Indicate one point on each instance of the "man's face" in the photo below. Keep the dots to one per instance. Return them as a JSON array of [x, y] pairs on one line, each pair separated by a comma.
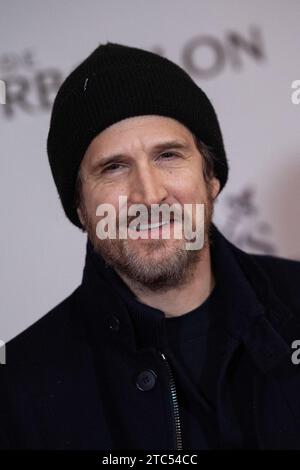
[[150, 160]]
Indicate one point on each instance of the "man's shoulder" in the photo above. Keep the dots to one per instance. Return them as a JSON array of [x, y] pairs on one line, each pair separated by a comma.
[[279, 268], [54, 330], [284, 276]]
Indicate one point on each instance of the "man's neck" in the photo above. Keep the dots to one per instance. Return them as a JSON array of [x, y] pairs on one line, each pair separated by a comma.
[[183, 299]]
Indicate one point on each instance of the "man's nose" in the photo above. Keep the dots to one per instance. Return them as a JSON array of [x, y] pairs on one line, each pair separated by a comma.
[[147, 187]]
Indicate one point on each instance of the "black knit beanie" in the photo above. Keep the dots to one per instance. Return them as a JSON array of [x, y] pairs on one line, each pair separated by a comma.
[[115, 82]]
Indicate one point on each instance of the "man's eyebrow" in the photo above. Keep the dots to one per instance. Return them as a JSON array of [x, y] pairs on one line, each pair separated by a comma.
[[174, 144], [160, 147]]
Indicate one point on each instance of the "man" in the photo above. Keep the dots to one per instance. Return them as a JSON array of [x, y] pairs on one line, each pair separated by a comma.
[[161, 347]]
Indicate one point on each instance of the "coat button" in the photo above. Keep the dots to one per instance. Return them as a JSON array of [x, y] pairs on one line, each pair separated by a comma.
[[146, 380], [113, 323]]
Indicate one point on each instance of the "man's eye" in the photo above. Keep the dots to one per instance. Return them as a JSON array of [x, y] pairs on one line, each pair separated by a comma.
[[112, 167], [168, 155]]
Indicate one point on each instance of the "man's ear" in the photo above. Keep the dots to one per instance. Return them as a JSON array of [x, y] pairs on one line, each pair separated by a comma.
[[80, 216], [215, 187]]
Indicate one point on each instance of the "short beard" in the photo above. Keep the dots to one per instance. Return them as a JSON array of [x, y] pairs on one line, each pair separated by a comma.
[[146, 272]]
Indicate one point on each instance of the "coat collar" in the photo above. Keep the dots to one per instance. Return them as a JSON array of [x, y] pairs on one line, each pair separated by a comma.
[[266, 328], [268, 339]]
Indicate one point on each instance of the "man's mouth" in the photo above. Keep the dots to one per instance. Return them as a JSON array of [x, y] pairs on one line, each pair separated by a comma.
[[141, 227]]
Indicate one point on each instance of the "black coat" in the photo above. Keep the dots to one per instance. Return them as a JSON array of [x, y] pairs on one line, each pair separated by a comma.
[[76, 379]]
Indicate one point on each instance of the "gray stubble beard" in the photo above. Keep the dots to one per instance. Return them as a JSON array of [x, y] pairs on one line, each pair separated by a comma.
[[147, 273]]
